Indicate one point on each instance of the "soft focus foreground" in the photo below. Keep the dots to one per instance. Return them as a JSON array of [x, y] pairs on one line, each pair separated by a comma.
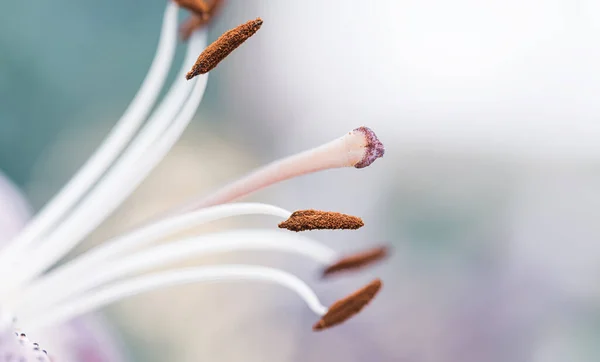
[[490, 192], [82, 339]]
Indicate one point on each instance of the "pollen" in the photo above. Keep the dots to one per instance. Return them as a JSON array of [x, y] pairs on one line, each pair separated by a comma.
[[223, 46], [357, 261], [304, 220], [346, 308]]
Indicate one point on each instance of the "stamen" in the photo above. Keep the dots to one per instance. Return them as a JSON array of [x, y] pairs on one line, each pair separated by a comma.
[[357, 261], [118, 291], [121, 181], [104, 156], [348, 307], [223, 46], [304, 220], [196, 21], [224, 242], [89, 262], [354, 148]]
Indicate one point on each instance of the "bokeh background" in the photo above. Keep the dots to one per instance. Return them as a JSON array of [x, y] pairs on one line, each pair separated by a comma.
[[489, 190]]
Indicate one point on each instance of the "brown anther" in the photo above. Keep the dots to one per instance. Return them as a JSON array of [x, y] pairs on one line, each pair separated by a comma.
[[357, 261], [197, 20], [346, 308], [222, 47], [304, 220]]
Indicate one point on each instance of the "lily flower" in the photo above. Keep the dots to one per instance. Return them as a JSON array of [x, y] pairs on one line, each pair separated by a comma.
[[36, 294]]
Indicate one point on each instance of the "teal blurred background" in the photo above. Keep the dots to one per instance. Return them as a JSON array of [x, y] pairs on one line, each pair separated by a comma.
[[69, 66], [489, 190]]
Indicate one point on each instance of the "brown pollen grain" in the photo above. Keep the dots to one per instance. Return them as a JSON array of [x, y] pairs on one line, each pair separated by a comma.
[[357, 261], [304, 220], [222, 47], [346, 308]]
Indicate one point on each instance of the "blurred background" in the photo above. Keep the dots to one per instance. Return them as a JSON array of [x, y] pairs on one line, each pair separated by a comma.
[[489, 191]]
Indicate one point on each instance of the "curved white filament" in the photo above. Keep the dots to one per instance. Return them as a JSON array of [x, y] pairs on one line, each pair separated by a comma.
[[112, 146], [268, 240], [113, 293], [345, 151], [108, 195], [115, 247], [118, 246]]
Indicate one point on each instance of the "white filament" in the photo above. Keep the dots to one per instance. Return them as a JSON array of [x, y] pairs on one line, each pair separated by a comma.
[[112, 146], [112, 293], [269, 240], [112, 249], [109, 194], [116, 247], [345, 151]]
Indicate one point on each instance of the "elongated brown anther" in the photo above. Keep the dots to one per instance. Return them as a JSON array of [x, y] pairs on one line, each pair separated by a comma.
[[357, 261], [346, 308], [197, 20], [222, 47], [304, 220]]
